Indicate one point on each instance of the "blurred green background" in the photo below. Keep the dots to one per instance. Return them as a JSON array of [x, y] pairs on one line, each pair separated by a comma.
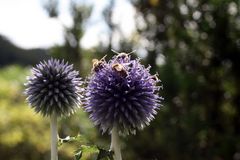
[[194, 46]]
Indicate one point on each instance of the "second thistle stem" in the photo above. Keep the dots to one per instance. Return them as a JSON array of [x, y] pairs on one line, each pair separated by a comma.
[[115, 144], [54, 138]]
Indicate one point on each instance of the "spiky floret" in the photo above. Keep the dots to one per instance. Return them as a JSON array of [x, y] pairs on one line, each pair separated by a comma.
[[54, 86], [122, 93]]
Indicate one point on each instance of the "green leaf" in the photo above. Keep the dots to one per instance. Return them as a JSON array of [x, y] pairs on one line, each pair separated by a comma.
[[105, 154], [89, 149], [84, 152], [68, 139], [78, 155]]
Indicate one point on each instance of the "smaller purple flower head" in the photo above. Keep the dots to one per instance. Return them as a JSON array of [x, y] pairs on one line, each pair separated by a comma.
[[54, 86], [122, 93]]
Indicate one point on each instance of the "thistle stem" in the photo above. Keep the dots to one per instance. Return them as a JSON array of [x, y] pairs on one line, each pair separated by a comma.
[[54, 138], [115, 144]]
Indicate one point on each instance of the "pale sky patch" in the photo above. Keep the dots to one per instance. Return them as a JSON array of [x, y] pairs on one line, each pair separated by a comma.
[[26, 23]]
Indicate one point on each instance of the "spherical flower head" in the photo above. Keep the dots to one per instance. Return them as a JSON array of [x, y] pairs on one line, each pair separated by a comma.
[[54, 87], [122, 93]]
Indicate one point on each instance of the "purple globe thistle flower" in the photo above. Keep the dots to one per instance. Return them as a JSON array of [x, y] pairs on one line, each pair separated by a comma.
[[122, 94], [54, 87]]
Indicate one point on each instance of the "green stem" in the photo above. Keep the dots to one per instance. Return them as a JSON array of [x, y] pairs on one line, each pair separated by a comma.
[[54, 138], [115, 144]]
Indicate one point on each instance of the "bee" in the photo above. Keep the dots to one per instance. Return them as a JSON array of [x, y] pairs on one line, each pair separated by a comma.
[[123, 55], [98, 64], [120, 69]]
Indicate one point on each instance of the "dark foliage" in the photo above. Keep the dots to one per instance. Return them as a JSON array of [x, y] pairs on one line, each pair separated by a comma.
[[11, 54], [199, 41]]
